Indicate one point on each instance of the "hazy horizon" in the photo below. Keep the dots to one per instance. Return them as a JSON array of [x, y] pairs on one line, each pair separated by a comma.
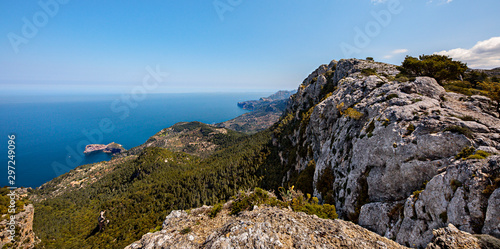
[[70, 47]]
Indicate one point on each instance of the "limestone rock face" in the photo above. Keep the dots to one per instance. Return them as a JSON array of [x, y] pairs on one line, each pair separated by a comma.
[[263, 227], [454, 196], [492, 219], [389, 150]]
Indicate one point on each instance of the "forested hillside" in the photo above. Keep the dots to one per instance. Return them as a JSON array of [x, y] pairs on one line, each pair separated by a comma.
[[388, 146]]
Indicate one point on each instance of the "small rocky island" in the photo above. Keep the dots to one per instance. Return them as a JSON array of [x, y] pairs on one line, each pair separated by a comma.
[[112, 148]]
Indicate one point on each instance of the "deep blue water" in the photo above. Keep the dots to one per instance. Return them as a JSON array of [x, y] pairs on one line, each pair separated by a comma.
[[51, 130]]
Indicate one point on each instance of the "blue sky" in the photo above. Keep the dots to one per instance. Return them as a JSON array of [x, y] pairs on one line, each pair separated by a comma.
[[226, 45]]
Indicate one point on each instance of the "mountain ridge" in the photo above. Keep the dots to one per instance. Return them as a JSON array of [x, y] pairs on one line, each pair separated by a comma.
[[381, 150]]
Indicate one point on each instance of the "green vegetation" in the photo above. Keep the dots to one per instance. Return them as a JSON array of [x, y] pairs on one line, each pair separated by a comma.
[[324, 185], [156, 229], [186, 230], [416, 193], [440, 67], [369, 58], [461, 130], [452, 75], [353, 113], [350, 112], [329, 87], [368, 71], [291, 198], [191, 138], [305, 179], [493, 92], [467, 118], [370, 127], [5, 202], [466, 152], [247, 200], [443, 216], [391, 96], [494, 180], [139, 193], [455, 184], [471, 153], [410, 129], [463, 87], [215, 210]]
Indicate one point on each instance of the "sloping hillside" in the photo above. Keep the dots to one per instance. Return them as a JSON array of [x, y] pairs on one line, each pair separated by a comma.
[[401, 157]]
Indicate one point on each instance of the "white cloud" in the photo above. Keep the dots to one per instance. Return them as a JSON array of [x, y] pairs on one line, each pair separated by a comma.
[[441, 1], [485, 54], [395, 52], [378, 1]]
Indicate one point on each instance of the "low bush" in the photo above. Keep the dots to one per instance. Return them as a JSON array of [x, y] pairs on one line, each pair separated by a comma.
[[215, 210], [186, 230], [410, 129], [443, 216], [353, 113], [461, 130], [455, 184], [466, 152], [368, 71], [391, 96], [291, 198], [471, 153], [370, 127]]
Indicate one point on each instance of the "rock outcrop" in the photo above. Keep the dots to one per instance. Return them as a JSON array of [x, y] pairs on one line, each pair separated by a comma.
[[111, 148], [451, 237], [25, 237], [263, 227], [387, 150]]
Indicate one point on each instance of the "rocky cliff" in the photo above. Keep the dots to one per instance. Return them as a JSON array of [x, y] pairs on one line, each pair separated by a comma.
[[400, 157]]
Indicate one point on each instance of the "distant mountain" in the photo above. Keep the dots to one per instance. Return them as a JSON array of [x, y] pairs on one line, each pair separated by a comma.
[[265, 112], [276, 101], [495, 72]]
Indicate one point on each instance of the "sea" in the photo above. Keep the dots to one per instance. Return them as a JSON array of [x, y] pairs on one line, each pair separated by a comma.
[[51, 132]]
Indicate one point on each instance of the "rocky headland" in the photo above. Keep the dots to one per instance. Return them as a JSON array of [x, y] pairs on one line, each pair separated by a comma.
[[111, 148], [264, 112]]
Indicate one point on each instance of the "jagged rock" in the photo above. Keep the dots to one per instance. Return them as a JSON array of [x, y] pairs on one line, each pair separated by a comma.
[[406, 134], [492, 220], [451, 237], [263, 227]]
